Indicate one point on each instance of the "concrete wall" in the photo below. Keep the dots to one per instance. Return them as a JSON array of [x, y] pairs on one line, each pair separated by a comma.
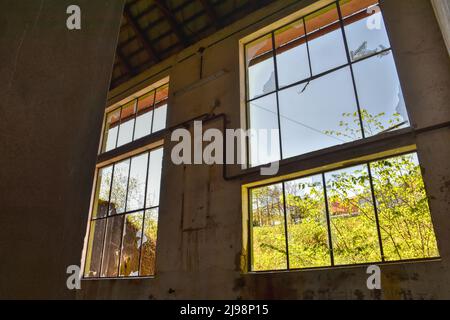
[[52, 97], [442, 9], [200, 230]]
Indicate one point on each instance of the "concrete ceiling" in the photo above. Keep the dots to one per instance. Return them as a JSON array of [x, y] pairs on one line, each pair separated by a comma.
[[153, 30]]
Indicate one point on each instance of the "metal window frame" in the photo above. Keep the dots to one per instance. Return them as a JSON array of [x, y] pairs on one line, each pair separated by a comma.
[[322, 174], [349, 64]]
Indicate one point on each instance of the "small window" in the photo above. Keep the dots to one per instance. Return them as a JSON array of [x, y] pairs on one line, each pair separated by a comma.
[[326, 79], [137, 119], [369, 213], [124, 222]]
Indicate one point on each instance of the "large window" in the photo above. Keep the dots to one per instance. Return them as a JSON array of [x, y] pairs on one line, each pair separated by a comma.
[[370, 213], [123, 226], [124, 221], [136, 119], [326, 79]]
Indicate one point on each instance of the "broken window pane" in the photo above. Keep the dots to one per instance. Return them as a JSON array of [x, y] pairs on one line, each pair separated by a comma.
[[380, 95], [119, 188], [307, 223], [312, 120], [326, 43], [101, 201], [260, 67], [94, 249], [292, 54], [364, 28], [352, 216], [136, 183], [148, 264], [268, 229], [111, 251], [405, 220], [131, 245]]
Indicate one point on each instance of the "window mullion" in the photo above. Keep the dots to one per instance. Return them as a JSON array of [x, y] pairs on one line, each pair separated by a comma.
[[286, 233], [375, 207], [144, 215], [341, 22], [327, 212]]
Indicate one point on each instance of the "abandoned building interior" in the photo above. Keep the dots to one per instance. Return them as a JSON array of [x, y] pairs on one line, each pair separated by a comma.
[[355, 96]]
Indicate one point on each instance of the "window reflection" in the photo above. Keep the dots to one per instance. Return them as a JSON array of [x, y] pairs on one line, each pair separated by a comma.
[[111, 249], [131, 245], [148, 264], [268, 229], [136, 183], [102, 192], [119, 188], [95, 248]]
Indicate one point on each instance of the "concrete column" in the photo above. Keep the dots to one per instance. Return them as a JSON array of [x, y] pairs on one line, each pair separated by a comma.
[[52, 99], [442, 10]]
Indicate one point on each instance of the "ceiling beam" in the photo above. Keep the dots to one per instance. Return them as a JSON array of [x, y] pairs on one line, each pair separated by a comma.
[[140, 34], [172, 21], [124, 62], [212, 15]]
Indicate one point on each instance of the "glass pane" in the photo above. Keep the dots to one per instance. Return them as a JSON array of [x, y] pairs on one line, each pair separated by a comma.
[[148, 261], [136, 183], [260, 67], [307, 223], [119, 188], [94, 250], [143, 124], [380, 95], [159, 122], [111, 128], [146, 101], [264, 143], [319, 115], [102, 193], [154, 178], [292, 54], [326, 43], [365, 29], [131, 245], [126, 124], [405, 220], [111, 251], [268, 229], [352, 217], [162, 94]]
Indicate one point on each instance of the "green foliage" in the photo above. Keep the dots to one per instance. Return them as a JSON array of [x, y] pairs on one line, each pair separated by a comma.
[[404, 220]]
